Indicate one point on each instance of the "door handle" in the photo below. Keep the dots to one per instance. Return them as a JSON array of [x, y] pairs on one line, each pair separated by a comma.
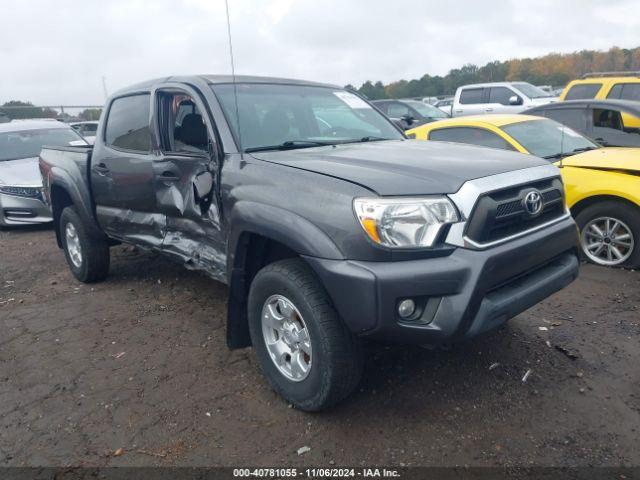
[[489, 110], [101, 169], [169, 177]]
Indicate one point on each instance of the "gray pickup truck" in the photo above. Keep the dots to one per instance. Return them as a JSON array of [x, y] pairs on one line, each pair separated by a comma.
[[328, 225]]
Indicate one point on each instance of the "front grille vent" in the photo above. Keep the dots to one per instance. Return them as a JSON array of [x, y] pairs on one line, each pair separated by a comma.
[[501, 214]]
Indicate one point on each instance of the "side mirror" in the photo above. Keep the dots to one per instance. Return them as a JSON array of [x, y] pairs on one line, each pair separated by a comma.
[[203, 184], [515, 100], [408, 118]]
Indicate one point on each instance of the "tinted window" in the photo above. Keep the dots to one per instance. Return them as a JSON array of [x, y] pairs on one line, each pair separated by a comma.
[[571, 117], [382, 106], [631, 91], [28, 143], [128, 123], [471, 95], [582, 91], [615, 91], [500, 95], [605, 118], [472, 136], [397, 110]]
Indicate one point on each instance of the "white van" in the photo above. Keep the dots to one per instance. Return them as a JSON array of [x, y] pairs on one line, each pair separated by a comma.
[[498, 97]]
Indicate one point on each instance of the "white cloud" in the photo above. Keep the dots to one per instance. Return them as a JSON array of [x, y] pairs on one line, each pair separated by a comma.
[[57, 52]]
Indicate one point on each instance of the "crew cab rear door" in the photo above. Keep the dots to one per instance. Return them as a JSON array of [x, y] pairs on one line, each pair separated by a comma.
[[186, 178], [122, 175]]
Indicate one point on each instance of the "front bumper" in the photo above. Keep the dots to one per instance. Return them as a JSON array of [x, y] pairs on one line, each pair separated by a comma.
[[16, 210], [459, 296]]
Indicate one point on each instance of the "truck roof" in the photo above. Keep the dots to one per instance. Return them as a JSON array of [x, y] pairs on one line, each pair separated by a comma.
[[489, 84], [217, 79]]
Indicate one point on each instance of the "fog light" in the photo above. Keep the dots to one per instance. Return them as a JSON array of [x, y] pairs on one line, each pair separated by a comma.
[[406, 308]]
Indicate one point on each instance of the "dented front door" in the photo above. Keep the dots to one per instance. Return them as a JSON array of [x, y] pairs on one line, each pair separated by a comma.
[[186, 192]]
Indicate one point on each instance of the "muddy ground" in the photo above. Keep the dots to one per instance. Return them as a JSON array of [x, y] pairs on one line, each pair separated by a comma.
[[139, 363]]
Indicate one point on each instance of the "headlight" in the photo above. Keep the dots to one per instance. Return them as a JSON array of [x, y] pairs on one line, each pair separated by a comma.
[[404, 222], [29, 192]]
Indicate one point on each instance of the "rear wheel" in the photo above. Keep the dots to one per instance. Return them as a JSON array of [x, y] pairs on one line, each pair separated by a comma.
[[305, 351], [610, 234], [88, 257]]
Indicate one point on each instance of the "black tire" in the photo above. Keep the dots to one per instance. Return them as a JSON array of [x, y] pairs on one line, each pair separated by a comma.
[[94, 264], [621, 211], [337, 356]]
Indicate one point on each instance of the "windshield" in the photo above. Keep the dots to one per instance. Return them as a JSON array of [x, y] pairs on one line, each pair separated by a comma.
[[531, 91], [298, 116], [28, 143], [546, 138], [427, 111]]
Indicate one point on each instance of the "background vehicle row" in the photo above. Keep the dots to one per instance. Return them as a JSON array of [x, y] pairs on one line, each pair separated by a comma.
[[602, 184]]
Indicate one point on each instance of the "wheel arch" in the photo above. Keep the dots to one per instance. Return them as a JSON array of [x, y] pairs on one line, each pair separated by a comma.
[[585, 203], [60, 199], [261, 235]]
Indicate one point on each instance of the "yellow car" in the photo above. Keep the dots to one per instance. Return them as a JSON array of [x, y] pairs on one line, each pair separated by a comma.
[[602, 184], [607, 86]]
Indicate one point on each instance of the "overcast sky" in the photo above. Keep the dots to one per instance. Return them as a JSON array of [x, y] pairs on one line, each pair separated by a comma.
[[57, 51]]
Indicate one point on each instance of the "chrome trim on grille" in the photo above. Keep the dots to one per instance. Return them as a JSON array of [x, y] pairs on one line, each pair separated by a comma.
[[469, 194]]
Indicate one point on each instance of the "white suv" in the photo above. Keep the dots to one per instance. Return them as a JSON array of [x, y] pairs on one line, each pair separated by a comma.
[[498, 97]]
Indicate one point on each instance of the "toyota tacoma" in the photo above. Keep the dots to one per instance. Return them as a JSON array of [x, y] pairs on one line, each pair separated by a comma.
[[329, 225]]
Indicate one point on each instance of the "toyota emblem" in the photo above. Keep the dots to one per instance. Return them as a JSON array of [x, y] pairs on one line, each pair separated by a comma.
[[532, 203]]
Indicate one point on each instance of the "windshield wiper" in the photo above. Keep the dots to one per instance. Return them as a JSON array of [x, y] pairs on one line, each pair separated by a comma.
[[368, 138], [289, 145], [582, 149], [568, 154]]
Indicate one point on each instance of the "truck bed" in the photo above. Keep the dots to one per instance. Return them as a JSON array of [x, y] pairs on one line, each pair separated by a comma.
[[69, 169]]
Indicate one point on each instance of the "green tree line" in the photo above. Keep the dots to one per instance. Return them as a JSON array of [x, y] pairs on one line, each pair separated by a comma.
[[554, 69], [16, 109]]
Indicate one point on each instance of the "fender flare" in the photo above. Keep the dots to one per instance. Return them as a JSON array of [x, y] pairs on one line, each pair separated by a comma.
[[274, 223], [80, 196]]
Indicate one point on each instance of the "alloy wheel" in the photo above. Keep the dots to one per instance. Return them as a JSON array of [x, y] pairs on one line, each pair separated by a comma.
[[287, 338], [607, 241], [73, 245]]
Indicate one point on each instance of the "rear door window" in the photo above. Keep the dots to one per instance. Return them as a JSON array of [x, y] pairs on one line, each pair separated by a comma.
[[128, 123], [472, 95], [629, 91], [583, 91], [471, 136]]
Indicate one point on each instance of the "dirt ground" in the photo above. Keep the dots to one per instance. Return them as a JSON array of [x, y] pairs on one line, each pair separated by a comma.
[[139, 363]]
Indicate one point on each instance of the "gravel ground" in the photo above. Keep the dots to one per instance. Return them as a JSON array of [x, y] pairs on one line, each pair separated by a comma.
[[135, 371]]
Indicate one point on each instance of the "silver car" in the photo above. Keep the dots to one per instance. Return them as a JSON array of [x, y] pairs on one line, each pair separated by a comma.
[[88, 130], [21, 198]]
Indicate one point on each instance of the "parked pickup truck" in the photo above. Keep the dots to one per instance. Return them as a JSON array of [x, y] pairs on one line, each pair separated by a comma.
[[329, 226]]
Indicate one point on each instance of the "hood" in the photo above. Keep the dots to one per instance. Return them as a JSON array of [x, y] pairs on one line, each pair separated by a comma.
[[409, 167], [543, 100], [606, 158], [23, 172]]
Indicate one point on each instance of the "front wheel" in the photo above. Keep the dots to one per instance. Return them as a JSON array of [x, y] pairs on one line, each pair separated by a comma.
[[88, 257], [610, 234], [305, 350]]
